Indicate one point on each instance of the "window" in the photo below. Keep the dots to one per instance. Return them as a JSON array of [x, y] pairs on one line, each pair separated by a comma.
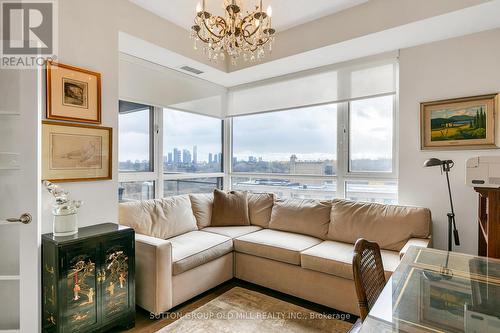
[[292, 187], [135, 144], [298, 153], [381, 191], [188, 158], [370, 134], [301, 141], [191, 185], [191, 143], [133, 191]]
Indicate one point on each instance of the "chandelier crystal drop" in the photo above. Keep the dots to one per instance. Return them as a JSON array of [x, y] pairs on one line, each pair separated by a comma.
[[247, 35]]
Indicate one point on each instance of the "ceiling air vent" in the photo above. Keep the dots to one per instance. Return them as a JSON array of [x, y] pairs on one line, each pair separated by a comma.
[[191, 70]]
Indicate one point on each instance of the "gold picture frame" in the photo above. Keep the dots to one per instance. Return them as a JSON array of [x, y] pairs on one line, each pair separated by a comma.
[[72, 93], [460, 123], [76, 152]]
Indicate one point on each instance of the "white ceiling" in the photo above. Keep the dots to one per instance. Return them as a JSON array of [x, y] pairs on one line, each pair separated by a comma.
[[458, 23], [286, 13]]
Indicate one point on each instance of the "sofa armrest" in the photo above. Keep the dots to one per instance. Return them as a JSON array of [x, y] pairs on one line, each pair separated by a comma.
[[420, 242], [153, 273]]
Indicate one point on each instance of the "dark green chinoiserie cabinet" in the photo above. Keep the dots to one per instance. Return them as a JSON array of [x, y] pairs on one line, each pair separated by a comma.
[[88, 280]]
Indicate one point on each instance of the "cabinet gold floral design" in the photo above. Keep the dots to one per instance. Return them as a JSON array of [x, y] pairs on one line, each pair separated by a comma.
[[88, 280], [116, 280]]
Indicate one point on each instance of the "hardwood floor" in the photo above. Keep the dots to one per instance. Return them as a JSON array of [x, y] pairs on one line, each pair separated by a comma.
[[145, 324]]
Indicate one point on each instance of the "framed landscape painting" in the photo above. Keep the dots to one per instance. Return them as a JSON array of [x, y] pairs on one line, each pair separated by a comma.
[[74, 152], [73, 93], [462, 123]]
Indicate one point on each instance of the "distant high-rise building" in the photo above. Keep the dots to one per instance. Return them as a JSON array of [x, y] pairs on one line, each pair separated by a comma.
[[195, 154], [169, 158], [177, 156], [252, 159], [210, 158], [235, 160], [186, 156], [220, 157], [215, 158]]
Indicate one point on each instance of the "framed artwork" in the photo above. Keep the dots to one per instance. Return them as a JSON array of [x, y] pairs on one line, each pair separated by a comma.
[[73, 93], [75, 152], [462, 123]]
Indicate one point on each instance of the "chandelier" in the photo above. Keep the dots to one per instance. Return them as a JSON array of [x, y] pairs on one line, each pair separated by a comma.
[[237, 34]]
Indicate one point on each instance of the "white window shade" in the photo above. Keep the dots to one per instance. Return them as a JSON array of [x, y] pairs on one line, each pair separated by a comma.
[[318, 86]]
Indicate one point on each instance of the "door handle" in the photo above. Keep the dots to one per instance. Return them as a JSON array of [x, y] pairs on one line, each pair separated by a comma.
[[25, 219]]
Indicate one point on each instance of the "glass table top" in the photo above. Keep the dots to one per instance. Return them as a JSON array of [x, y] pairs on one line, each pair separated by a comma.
[[439, 291]]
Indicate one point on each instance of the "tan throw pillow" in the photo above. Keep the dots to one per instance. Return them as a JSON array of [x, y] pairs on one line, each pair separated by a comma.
[[260, 206], [160, 218], [388, 225], [202, 208], [308, 217], [230, 208]]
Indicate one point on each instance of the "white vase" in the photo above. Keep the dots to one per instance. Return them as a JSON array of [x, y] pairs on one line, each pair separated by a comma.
[[65, 225]]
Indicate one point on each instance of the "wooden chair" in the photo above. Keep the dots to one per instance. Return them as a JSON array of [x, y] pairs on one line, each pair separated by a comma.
[[369, 277]]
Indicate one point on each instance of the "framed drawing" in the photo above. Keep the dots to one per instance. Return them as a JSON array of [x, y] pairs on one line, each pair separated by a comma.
[[74, 152], [462, 123], [73, 93]]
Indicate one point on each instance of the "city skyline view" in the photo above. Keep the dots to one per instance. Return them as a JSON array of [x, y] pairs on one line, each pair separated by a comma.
[[271, 139]]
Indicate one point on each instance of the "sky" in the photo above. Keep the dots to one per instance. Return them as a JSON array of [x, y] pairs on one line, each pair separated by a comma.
[[445, 113], [310, 133]]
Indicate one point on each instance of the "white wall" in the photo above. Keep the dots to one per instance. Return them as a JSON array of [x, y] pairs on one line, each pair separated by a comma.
[[459, 67], [88, 38]]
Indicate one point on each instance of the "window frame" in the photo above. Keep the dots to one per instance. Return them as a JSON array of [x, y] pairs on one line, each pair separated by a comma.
[[343, 175], [152, 155], [158, 176]]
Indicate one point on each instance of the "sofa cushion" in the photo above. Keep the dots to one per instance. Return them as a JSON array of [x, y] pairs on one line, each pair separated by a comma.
[[196, 248], [260, 206], [230, 208], [308, 217], [202, 203], [335, 258], [160, 218], [233, 231], [388, 225], [277, 245]]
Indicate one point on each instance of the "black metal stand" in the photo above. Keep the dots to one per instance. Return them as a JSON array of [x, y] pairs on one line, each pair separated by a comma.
[[450, 230], [452, 226]]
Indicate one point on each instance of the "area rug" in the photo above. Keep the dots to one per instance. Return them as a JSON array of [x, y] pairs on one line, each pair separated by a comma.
[[246, 311]]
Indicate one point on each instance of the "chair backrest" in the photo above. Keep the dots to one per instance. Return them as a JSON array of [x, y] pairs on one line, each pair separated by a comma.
[[368, 273]]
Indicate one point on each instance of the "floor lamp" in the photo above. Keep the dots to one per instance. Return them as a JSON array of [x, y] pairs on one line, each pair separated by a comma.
[[452, 227]]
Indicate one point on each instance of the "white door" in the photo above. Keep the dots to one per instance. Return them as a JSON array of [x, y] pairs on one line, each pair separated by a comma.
[[19, 196]]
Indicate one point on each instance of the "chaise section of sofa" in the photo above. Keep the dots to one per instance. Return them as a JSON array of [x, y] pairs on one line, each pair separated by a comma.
[[300, 247]]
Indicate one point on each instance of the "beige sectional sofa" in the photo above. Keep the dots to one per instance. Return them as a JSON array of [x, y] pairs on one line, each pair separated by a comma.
[[299, 247]]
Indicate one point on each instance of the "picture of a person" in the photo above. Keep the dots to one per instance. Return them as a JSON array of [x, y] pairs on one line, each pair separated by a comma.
[[90, 295], [111, 288], [76, 291], [122, 280]]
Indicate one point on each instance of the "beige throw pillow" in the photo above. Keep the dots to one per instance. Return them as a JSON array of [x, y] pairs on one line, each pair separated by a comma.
[[260, 206], [160, 218], [230, 208], [308, 217], [202, 208], [388, 225]]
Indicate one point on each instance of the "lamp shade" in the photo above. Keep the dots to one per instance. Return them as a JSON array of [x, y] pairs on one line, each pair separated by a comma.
[[433, 162]]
